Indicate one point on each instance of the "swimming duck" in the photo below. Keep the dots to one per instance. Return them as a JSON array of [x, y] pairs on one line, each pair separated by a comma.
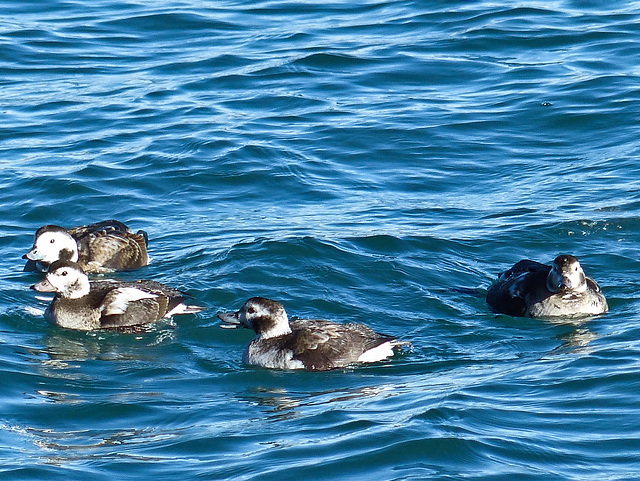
[[107, 304], [101, 247], [305, 344], [533, 289]]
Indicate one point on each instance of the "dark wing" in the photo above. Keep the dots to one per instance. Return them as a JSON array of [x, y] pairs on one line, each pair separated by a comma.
[[129, 305], [103, 286], [326, 345], [593, 285], [108, 226], [112, 251], [525, 266], [156, 288], [174, 297], [508, 294]]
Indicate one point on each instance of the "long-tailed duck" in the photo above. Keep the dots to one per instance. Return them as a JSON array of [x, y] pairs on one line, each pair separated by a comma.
[[305, 344], [533, 289], [101, 247], [107, 304]]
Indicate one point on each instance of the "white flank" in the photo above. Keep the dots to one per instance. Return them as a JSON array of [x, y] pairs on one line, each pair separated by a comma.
[[378, 353], [183, 309], [120, 298], [271, 358]]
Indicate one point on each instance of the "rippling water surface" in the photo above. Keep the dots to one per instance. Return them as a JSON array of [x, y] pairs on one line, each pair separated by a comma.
[[366, 161]]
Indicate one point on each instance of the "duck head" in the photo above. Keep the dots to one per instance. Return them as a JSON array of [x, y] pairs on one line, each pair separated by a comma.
[[266, 317], [53, 243], [66, 279], [566, 275]]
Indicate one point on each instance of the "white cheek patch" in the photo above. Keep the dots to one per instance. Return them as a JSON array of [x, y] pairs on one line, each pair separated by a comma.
[[49, 251], [118, 300], [60, 283], [56, 281], [378, 353]]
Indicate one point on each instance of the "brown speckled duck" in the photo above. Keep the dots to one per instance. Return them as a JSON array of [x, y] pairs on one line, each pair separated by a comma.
[[107, 304], [101, 247]]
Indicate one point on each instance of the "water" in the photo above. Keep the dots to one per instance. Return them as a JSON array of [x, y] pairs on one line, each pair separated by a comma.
[[366, 161]]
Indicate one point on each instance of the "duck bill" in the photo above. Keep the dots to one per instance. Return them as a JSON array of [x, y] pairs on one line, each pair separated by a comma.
[[558, 282], [565, 285], [33, 255], [230, 320], [43, 286]]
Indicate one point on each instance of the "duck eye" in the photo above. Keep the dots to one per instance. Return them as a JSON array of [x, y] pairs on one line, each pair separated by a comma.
[[52, 241], [251, 310], [63, 273]]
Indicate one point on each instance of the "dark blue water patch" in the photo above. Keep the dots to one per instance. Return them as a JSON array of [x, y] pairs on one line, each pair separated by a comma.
[[271, 106], [169, 22], [336, 62], [200, 72]]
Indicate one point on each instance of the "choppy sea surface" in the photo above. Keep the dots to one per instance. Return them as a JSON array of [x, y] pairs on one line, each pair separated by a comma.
[[370, 161]]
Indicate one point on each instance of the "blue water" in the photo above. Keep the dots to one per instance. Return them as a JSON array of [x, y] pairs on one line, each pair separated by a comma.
[[371, 161]]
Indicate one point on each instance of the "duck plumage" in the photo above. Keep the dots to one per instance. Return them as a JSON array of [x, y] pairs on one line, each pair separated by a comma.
[[532, 289], [107, 304], [304, 343], [101, 247]]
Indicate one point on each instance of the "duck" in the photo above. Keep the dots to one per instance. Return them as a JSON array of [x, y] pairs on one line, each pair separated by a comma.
[[105, 246], [107, 304], [533, 289], [304, 343]]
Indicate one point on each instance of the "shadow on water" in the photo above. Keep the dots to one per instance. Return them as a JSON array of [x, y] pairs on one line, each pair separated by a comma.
[[63, 347], [577, 338]]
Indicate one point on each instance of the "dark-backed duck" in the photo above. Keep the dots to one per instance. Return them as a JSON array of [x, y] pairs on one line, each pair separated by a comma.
[[101, 247], [533, 289], [305, 344]]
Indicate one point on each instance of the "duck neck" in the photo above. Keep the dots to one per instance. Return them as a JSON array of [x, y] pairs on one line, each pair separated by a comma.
[[269, 329]]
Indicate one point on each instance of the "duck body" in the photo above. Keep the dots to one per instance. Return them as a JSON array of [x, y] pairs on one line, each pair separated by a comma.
[[303, 343], [101, 247], [532, 289], [89, 305]]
